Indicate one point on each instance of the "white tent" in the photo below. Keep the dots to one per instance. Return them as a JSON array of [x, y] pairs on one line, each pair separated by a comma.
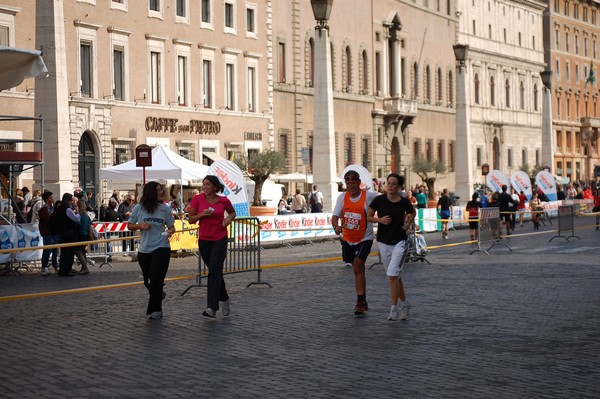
[[17, 64], [166, 164]]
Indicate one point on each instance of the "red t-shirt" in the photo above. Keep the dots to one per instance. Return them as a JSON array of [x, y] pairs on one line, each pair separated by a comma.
[[211, 227]]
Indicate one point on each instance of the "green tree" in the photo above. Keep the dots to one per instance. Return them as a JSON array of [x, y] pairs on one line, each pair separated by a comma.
[[428, 171], [259, 167]]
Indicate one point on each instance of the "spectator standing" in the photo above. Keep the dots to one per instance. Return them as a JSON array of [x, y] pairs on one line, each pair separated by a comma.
[[209, 209], [521, 207], [472, 210], [36, 205], [421, 198], [298, 202], [111, 215], [48, 236], [67, 222], [85, 233], [513, 208], [395, 215], [125, 208], [316, 200], [444, 206], [151, 216], [356, 233], [506, 204]]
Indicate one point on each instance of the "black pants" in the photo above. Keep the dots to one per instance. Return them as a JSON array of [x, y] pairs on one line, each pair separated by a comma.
[[67, 254], [213, 254], [154, 267]]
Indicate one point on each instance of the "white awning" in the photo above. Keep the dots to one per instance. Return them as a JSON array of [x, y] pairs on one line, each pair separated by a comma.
[[213, 156]]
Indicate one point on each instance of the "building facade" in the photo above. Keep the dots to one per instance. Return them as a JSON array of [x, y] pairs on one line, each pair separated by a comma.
[[571, 38], [191, 75], [503, 84]]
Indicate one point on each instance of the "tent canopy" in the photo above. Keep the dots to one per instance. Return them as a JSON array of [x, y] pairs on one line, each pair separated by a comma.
[[166, 164], [17, 64]]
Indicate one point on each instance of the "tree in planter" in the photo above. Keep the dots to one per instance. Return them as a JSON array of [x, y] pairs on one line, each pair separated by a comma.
[[428, 172], [259, 167]]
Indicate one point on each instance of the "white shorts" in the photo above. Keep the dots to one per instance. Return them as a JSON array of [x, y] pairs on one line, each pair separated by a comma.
[[392, 257]]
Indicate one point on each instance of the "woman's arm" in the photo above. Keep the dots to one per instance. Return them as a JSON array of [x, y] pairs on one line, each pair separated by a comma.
[[227, 221]]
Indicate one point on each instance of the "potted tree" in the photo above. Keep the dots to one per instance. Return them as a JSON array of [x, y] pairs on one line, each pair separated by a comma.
[[428, 171], [259, 167]]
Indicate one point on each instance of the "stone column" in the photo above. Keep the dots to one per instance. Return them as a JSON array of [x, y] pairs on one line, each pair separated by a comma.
[[52, 97], [324, 155], [463, 163], [547, 133]]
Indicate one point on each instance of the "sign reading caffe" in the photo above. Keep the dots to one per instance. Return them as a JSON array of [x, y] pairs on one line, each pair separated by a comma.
[[171, 125]]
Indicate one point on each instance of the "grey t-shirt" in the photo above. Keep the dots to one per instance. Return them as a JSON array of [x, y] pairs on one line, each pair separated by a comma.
[[153, 239]]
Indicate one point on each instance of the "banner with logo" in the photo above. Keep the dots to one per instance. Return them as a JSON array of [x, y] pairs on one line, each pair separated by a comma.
[[295, 226], [187, 239], [20, 236], [235, 189], [495, 179], [546, 182], [521, 182], [366, 181]]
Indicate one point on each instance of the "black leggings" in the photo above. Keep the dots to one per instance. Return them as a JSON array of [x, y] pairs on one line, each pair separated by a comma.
[[213, 254], [154, 267]]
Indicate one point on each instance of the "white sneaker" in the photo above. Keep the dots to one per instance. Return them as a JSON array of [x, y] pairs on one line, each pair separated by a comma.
[[404, 311], [225, 309], [394, 314], [209, 313], [155, 315], [45, 271]]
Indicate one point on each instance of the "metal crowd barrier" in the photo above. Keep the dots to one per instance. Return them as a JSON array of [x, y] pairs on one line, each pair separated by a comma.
[[489, 230], [565, 222], [243, 252], [119, 245]]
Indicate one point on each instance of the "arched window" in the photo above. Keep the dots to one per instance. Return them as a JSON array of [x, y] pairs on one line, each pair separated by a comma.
[[311, 62], [535, 97], [476, 86], [522, 95], [348, 67], [450, 89], [415, 80], [427, 87], [492, 92], [507, 93], [440, 90], [365, 73]]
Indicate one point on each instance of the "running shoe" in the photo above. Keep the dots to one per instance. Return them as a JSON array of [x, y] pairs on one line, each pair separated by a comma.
[[225, 309], [404, 311], [209, 313], [155, 315], [361, 308], [394, 314]]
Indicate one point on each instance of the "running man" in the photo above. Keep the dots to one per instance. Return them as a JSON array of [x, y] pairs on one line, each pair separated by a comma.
[[356, 232]]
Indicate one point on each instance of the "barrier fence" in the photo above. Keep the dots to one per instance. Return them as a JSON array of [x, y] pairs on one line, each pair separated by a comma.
[[565, 222], [489, 230], [243, 252]]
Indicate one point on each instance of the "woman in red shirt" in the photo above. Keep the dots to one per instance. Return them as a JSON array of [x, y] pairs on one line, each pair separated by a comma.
[[209, 208]]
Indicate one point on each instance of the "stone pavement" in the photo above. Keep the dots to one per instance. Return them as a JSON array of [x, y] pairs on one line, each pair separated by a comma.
[[521, 324]]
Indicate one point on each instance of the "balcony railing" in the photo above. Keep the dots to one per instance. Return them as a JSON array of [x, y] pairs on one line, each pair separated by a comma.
[[400, 106]]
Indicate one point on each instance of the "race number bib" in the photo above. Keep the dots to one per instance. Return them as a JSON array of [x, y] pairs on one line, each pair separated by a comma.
[[352, 220]]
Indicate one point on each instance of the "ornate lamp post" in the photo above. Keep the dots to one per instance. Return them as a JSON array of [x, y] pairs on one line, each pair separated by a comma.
[[324, 155], [547, 134], [463, 164]]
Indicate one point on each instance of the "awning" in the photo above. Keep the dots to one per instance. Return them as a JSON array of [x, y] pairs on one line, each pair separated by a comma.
[[18, 64], [213, 156]]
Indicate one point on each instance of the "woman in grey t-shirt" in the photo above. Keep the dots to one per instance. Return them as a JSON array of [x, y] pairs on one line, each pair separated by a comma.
[[151, 216]]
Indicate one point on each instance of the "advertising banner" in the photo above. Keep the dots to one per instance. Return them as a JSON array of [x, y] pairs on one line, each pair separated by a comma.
[[546, 182], [521, 182], [366, 181], [296, 226], [28, 235], [187, 239], [495, 179], [235, 189], [8, 239]]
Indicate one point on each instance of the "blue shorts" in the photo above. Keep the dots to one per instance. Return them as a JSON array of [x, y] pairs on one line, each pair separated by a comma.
[[445, 215]]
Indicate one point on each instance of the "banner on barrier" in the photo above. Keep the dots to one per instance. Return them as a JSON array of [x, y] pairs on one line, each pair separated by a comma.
[[295, 226], [185, 240], [20, 236]]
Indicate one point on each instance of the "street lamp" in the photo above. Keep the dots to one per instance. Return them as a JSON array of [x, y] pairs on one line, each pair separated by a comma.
[[463, 173], [321, 11], [324, 154], [547, 135]]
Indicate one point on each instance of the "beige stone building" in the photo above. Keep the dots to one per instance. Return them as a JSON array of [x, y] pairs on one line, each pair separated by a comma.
[[191, 75], [571, 38]]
